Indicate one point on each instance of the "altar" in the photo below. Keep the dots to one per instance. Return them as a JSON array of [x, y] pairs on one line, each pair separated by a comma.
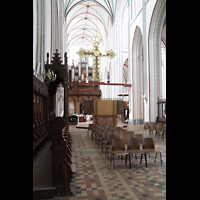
[[82, 118]]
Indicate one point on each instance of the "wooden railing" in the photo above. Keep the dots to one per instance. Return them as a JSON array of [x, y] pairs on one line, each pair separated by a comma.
[[85, 92]]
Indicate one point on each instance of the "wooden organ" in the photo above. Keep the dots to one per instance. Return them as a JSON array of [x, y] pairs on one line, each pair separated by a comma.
[[81, 72]]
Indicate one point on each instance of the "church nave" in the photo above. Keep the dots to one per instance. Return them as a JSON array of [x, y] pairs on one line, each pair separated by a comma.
[[98, 62]]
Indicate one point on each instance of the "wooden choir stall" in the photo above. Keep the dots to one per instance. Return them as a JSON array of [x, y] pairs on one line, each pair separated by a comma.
[[61, 157], [39, 113], [53, 170], [53, 160]]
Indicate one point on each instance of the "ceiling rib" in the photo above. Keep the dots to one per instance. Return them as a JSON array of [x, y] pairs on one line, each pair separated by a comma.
[[92, 17]]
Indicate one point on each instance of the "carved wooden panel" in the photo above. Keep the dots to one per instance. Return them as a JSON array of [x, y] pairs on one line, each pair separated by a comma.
[[59, 175], [39, 86], [59, 123], [56, 65], [89, 107], [120, 107]]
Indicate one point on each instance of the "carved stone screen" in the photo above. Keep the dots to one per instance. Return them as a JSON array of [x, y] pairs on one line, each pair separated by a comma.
[[120, 107], [89, 107]]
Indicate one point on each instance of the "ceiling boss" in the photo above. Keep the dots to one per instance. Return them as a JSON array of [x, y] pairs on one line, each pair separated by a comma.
[[97, 55]]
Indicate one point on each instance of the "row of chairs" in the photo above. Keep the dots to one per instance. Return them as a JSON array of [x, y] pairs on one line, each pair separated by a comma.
[[120, 142], [156, 127]]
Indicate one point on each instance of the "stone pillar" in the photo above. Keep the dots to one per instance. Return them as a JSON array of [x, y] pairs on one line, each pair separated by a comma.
[[145, 66], [65, 83]]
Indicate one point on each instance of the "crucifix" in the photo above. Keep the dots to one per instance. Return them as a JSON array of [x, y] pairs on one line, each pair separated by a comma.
[[97, 55]]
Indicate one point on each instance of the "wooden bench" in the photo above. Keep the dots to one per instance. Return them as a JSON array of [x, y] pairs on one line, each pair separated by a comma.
[[68, 141], [54, 165], [42, 173], [62, 166]]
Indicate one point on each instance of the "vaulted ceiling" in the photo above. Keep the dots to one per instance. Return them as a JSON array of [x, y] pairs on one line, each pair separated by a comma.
[[87, 18]]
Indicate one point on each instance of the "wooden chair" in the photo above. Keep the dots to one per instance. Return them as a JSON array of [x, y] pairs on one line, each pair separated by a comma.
[[139, 136], [111, 126], [104, 139], [89, 129], [158, 128], [112, 130], [119, 150], [97, 134], [109, 144], [124, 131], [152, 127], [118, 133], [100, 136], [93, 131], [133, 144], [147, 126], [118, 128], [134, 148], [131, 133], [125, 138], [148, 147], [164, 131]]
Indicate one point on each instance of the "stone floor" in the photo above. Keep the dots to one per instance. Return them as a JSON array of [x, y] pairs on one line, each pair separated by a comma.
[[95, 178]]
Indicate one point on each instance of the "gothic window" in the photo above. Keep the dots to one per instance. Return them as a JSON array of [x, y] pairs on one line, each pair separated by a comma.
[[163, 70]]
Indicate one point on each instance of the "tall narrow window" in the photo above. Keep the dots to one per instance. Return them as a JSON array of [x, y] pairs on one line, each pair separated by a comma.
[[163, 70]]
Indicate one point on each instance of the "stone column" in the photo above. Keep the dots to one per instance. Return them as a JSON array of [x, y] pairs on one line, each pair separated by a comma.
[[65, 83]]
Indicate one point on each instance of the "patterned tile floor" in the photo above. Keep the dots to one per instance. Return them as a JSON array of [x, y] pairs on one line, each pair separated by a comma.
[[95, 179]]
